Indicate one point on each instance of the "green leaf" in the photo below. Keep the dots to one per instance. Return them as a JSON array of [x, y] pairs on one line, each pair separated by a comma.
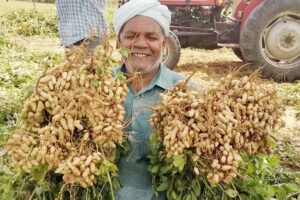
[[7, 187], [46, 186], [125, 52], [121, 76], [174, 195], [154, 169], [165, 178], [271, 141], [250, 168], [194, 197], [180, 185], [156, 194], [181, 166], [291, 187], [153, 138], [271, 191], [10, 195], [188, 197], [102, 170], [280, 193], [99, 71], [162, 187], [231, 193], [113, 167], [179, 161], [196, 187], [166, 168], [245, 197], [116, 184], [169, 193], [95, 83], [39, 173], [274, 161], [112, 62], [265, 190]]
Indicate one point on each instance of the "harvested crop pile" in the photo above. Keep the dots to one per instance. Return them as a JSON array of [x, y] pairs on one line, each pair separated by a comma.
[[74, 119], [203, 133]]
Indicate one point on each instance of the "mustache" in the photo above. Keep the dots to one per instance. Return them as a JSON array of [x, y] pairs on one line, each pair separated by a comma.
[[143, 69]]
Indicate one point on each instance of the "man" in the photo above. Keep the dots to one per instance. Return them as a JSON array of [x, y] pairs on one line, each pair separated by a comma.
[[79, 20], [142, 26]]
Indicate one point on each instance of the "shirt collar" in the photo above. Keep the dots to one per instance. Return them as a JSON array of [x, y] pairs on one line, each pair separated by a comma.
[[164, 80]]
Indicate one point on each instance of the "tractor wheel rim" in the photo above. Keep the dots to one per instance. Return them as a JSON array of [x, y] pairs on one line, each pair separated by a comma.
[[280, 41]]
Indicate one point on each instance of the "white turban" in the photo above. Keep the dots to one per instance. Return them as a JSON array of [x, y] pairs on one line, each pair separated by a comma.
[[148, 8]]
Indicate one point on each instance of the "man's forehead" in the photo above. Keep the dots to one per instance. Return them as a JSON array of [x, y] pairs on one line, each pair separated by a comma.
[[137, 31], [142, 20], [142, 24]]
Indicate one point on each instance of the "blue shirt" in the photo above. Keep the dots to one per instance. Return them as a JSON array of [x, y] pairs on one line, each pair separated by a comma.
[[133, 168], [79, 19]]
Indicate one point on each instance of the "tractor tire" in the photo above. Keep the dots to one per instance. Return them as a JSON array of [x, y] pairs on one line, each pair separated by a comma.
[[238, 53], [171, 53], [270, 38]]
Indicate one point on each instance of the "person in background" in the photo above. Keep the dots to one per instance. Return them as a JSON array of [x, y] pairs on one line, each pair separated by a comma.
[[141, 26], [121, 2], [81, 19]]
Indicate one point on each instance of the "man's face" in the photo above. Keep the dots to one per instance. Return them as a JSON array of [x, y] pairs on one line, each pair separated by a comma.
[[145, 38]]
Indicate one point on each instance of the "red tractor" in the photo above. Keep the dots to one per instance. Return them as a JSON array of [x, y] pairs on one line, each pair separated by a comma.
[[263, 32]]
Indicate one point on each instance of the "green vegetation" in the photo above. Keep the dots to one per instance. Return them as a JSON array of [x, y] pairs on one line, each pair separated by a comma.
[[18, 71], [48, 185], [30, 22], [111, 7], [260, 177], [28, 18]]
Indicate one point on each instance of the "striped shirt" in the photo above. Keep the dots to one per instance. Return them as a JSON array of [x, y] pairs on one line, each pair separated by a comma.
[[79, 19]]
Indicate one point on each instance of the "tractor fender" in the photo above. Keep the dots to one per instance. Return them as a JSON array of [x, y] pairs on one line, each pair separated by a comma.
[[245, 7]]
